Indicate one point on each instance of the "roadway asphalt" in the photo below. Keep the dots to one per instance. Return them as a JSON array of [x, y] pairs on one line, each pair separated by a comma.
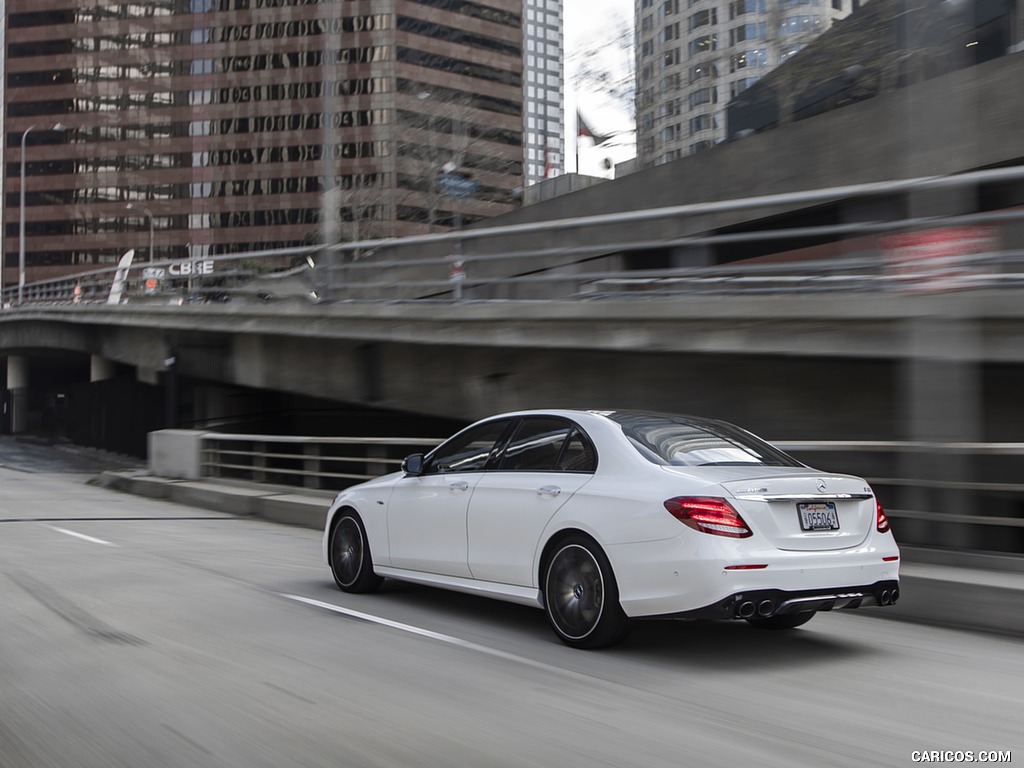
[[141, 632], [966, 591]]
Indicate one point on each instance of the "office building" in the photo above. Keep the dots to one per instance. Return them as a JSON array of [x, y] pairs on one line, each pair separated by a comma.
[[543, 90], [695, 56], [187, 128]]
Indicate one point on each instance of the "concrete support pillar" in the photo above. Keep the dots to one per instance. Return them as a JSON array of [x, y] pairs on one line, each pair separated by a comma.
[[18, 382], [147, 376], [942, 403], [17, 372], [100, 368]]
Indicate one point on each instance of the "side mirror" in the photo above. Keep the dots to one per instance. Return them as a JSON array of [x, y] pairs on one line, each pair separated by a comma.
[[413, 465]]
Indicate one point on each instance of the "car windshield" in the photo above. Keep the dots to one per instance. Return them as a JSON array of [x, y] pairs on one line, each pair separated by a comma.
[[685, 441]]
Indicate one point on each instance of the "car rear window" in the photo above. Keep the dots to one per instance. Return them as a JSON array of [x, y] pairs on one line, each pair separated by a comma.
[[685, 441]]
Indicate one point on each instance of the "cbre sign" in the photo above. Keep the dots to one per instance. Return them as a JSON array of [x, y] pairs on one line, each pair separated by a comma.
[[189, 268]]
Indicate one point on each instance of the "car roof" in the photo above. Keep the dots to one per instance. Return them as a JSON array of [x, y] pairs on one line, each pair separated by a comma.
[[616, 415]]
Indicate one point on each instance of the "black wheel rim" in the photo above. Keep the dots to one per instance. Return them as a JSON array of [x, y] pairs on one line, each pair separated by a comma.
[[347, 551], [574, 593]]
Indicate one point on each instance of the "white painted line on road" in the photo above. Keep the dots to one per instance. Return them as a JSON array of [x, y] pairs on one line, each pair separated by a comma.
[[438, 636], [81, 536]]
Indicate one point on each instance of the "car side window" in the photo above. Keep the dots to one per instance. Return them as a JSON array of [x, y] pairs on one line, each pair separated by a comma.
[[578, 454], [536, 445], [468, 451]]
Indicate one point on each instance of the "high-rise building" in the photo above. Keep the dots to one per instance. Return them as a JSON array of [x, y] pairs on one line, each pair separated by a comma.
[[543, 97], [185, 128], [695, 56]]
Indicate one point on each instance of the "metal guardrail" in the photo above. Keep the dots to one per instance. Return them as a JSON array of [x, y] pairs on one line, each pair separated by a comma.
[[374, 270], [333, 463], [321, 463]]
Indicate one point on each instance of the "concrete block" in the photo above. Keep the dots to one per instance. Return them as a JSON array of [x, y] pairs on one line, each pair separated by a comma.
[[176, 453]]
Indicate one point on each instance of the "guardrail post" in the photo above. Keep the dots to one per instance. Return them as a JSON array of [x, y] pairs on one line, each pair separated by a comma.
[[375, 468], [259, 462], [311, 465]]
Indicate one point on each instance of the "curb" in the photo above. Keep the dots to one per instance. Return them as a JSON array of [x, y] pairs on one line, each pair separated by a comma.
[[306, 510]]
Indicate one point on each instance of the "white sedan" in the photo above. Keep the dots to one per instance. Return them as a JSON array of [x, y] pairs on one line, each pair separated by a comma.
[[600, 517]]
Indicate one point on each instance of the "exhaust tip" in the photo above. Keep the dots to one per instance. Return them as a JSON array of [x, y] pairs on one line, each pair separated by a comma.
[[746, 609], [765, 608], [895, 596], [886, 598]]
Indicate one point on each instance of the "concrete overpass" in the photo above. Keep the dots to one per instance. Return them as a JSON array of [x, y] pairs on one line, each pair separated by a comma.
[[842, 365]]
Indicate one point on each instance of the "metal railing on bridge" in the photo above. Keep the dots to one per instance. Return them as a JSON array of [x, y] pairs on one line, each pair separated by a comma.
[[990, 501], [900, 255]]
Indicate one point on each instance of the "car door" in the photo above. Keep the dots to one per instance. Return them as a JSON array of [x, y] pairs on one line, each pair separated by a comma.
[[427, 512], [545, 462]]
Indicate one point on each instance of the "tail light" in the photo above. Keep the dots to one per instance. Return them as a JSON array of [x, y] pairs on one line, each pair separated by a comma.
[[708, 515], [881, 521]]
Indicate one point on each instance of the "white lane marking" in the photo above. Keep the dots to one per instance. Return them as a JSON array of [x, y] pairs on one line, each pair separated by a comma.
[[82, 536], [438, 636]]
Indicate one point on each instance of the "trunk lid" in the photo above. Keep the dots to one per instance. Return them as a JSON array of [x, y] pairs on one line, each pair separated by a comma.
[[804, 510]]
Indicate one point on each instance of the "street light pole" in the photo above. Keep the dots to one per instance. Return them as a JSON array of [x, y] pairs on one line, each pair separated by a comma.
[[148, 213], [21, 222]]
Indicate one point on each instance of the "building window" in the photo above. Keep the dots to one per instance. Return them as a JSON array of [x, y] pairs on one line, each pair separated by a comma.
[[703, 44], [704, 96], [670, 32], [669, 83], [793, 25], [705, 69], [745, 32], [702, 123], [700, 146], [670, 108], [739, 8], [755, 59], [703, 19]]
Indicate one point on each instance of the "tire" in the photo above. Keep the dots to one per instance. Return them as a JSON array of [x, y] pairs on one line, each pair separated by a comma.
[[351, 562], [581, 598], [786, 621]]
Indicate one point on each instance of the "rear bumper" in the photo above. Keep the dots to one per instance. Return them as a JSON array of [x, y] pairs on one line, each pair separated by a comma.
[[762, 603]]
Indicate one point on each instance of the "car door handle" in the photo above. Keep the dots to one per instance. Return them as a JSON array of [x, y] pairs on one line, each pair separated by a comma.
[[549, 490], [458, 485]]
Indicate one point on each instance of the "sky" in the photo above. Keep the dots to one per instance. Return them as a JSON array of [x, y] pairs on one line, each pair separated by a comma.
[[598, 40]]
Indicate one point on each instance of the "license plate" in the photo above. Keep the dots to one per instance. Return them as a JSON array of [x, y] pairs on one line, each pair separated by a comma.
[[818, 516]]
